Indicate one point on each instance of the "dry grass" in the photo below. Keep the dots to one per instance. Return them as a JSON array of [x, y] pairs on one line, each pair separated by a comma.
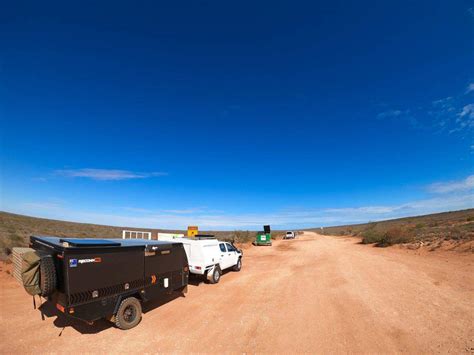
[[15, 230], [457, 226]]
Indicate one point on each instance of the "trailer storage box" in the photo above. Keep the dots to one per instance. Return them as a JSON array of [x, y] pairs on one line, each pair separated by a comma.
[[92, 278]]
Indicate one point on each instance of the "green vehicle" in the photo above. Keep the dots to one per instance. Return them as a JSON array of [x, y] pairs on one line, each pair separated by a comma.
[[264, 238]]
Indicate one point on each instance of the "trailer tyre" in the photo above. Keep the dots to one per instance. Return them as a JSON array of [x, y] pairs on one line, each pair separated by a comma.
[[47, 276], [238, 266], [216, 275], [129, 313]]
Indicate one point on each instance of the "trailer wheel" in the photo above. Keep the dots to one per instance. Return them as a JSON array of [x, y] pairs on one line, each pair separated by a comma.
[[238, 266], [216, 275], [129, 313], [47, 276]]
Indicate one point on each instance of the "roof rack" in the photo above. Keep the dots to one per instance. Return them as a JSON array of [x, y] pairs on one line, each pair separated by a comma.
[[204, 236]]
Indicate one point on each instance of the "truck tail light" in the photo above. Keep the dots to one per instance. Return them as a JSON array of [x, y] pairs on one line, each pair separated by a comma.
[[197, 267]]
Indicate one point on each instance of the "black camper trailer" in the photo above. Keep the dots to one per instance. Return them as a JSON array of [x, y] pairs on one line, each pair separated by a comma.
[[91, 279]]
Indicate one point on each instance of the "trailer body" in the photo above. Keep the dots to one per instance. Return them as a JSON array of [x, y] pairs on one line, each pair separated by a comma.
[[94, 276]]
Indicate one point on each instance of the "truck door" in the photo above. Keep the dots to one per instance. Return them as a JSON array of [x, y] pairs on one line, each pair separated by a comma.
[[224, 257], [231, 254]]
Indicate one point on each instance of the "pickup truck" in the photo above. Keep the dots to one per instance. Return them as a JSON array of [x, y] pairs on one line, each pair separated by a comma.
[[209, 257], [290, 235]]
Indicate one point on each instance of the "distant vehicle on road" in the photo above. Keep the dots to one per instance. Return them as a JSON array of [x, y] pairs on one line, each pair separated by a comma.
[[210, 257], [264, 237], [290, 235]]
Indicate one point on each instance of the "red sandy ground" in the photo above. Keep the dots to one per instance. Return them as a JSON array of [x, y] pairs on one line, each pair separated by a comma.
[[313, 294]]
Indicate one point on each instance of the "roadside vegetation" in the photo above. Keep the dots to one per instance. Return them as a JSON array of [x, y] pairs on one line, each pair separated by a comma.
[[428, 229], [15, 231]]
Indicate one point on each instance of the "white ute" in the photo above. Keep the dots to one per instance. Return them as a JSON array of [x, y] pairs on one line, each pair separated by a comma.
[[289, 235], [209, 257]]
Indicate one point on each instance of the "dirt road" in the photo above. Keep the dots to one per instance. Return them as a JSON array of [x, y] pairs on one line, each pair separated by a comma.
[[313, 294]]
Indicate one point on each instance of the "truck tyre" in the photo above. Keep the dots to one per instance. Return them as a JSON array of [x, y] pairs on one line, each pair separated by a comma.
[[47, 276], [216, 275], [238, 266], [129, 313]]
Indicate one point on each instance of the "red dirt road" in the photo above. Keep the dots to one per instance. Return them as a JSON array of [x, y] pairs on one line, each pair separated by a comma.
[[313, 294]]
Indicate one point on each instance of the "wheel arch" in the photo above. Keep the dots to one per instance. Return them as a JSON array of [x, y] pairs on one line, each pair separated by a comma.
[[137, 294]]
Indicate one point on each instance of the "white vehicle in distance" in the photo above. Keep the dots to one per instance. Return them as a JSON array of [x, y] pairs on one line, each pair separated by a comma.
[[290, 235], [209, 257]]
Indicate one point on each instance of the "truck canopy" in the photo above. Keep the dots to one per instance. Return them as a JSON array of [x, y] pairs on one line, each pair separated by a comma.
[[203, 252]]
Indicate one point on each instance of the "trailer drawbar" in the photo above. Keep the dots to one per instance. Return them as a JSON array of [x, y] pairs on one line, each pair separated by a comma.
[[90, 279]]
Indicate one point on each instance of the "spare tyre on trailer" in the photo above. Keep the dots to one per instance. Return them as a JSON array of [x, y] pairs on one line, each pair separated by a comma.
[[48, 282], [91, 279]]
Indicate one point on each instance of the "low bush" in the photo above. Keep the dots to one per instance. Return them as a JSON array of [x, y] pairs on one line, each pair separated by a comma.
[[371, 235], [8, 242], [381, 238], [396, 235]]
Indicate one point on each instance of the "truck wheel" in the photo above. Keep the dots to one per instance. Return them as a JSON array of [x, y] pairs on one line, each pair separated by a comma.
[[129, 313], [238, 266], [216, 275], [47, 276]]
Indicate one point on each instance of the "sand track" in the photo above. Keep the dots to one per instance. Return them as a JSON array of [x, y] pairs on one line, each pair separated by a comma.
[[313, 294]]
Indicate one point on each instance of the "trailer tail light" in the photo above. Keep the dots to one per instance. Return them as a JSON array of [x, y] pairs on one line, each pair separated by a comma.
[[60, 256], [61, 308]]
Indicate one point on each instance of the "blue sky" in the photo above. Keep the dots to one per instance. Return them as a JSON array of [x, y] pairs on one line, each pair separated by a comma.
[[234, 115]]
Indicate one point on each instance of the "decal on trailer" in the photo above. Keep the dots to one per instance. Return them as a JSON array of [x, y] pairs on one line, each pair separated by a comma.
[[72, 262], [75, 262], [86, 261]]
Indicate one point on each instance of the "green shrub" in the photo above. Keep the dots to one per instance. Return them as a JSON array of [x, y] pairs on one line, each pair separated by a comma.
[[396, 235], [455, 233], [371, 235], [381, 238], [239, 236]]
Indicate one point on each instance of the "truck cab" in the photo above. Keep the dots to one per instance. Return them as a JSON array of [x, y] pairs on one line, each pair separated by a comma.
[[230, 255]]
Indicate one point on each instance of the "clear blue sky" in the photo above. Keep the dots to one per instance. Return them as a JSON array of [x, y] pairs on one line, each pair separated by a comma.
[[236, 114]]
